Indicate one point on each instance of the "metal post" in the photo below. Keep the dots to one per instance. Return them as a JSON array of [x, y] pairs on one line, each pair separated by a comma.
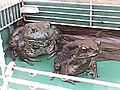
[[91, 12], [8, 74], [2, 59]]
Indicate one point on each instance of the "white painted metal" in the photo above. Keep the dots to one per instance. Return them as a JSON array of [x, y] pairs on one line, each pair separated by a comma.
[[75, 25], [50, 1], [90, 15], [97, 82], [91, 7], [11, 23], [7, 75], [10, 5], [57, 18], [35, 85], [19, 6], [8, 15], [72, 13], [52, 12], [28, 9], [58, 7], [47, 1], [1, 19], [14, 13], [6, 10], [110, 22], [2, 59], [72, 8], [6, 21], [8, 79]]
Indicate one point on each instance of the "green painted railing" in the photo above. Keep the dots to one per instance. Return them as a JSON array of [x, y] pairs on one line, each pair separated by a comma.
[[75, 14], [10, 14], [10, 18]]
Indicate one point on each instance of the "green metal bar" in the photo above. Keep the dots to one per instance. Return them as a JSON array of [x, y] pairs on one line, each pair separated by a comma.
[[10, 15], [96, 15]]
